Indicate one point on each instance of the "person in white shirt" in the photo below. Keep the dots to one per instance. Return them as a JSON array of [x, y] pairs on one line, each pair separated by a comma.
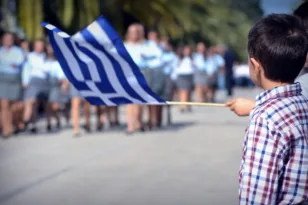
[[134, 45], [170, 61], [19, 106], [57, 85], [25, 46], [214, 65], [184, 72], [11, 59], [200, 77], [35, 82], [154, 74]]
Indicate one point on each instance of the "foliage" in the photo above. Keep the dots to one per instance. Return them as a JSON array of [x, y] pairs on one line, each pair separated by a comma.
[[212, 21]]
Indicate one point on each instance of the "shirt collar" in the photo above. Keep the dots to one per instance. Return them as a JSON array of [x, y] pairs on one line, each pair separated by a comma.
[[40, 55], [278, 92], [3, 48]]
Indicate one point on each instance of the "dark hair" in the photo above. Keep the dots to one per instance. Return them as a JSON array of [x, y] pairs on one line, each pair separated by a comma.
[[11, 34], [181, 51], [302, 13], [153, 31], [279, 42], [40, 40]]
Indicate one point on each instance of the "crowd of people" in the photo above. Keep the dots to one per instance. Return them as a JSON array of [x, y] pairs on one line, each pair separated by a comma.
[[31, 78]]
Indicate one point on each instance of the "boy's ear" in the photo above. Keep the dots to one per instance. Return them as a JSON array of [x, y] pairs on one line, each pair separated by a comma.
[[255, 64]]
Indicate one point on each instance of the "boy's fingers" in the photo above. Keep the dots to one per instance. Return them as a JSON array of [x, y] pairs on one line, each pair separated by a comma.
[[228, 104], [232, 107]]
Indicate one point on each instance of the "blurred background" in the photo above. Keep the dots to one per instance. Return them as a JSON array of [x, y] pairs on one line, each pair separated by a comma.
[[212, 21], [167, 155]]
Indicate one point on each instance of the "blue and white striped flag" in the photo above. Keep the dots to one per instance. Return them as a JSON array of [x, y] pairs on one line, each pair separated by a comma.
[[96, 62]]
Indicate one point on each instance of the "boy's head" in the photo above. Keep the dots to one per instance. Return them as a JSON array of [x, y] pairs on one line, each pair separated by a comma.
[[277, 48]]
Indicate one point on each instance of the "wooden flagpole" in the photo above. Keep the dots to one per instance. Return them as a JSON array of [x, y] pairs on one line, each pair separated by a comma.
[[196, 104]]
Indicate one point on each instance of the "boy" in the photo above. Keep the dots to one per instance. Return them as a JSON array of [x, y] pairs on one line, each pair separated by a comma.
[[274, 167], [242, 106]]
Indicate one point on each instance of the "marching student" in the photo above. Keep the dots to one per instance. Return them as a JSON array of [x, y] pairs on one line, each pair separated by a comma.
[[56, 80], [214, 64], [200, 76], [170, 61], [113, 116], [76, 102], [19, 106], [154, 75], [101, 114], [11, 59], [184, 72], [36, 84], [273, 168], [25, 46], [135, 46]]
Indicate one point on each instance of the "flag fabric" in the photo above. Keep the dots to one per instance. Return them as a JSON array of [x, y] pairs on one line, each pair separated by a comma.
[[97, 64]]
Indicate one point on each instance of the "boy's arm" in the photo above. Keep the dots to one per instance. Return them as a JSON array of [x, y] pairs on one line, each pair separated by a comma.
[[260, 165], [26, 74]]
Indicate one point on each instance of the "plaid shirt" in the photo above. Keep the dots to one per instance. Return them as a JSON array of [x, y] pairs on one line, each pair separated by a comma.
[[274, 167]]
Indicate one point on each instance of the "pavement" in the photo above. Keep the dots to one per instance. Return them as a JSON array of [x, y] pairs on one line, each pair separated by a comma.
[[194, 161]]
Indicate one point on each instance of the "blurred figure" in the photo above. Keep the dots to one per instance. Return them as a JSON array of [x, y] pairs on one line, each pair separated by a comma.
[[56, 80], [25, 46], [19, 106], [200, 77], [229, 58], [135, 44], [242, 76], [113, 115], [101, 112], [76, 102], [154, 75], [170, 61], [11, 59], [184, 72], [36, 84], [214, 65]]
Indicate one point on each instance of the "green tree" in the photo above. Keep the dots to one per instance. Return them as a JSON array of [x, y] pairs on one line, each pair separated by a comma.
[[213, 21]]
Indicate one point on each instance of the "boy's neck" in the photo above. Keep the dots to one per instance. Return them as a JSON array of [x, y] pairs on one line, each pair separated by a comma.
[[268, 85]]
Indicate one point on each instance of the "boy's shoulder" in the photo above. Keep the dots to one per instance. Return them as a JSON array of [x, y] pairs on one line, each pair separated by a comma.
[[283, 107]]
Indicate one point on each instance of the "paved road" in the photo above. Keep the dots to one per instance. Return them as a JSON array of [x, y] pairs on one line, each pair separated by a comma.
[[193, 162]]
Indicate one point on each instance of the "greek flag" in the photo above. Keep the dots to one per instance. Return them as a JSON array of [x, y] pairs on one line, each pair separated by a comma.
[[97, 64]]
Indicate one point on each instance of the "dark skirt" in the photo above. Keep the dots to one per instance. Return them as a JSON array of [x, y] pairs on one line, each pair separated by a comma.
[[55, 91], [38, 89], [185, 82], [155, 79], [169, 86], [74, 92], [11, 87], [212, 81], [200, 78]]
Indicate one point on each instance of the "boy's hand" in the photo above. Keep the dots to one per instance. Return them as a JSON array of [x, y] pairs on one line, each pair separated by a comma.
[[241, 106]]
